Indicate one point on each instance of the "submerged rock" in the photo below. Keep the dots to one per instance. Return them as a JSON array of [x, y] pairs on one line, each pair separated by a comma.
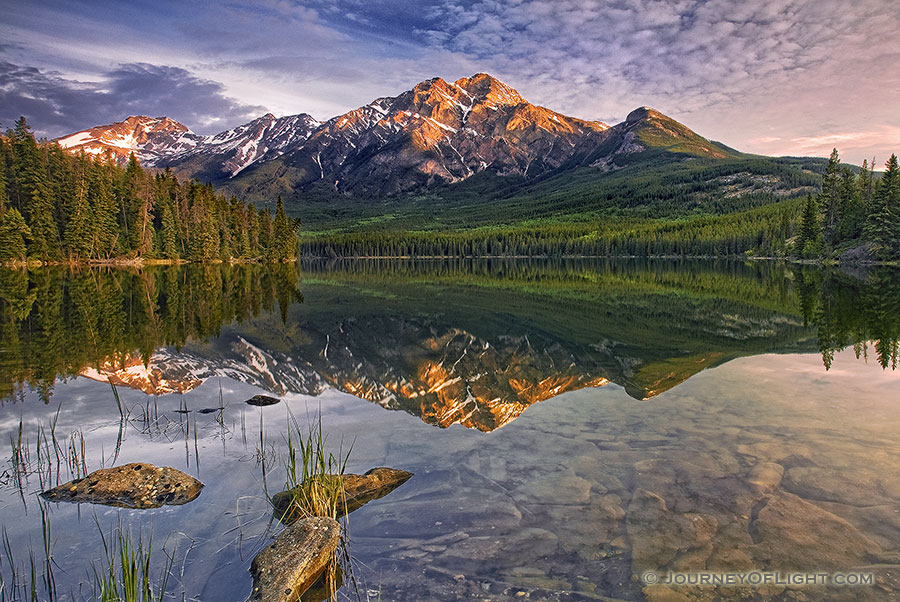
[[262, 401], [286, 568], [136, 485], [358, 489], [794, 534], [766, 476]]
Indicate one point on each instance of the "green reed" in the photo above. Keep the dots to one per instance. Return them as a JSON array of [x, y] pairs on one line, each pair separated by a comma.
[[125, 573], [313, 474]]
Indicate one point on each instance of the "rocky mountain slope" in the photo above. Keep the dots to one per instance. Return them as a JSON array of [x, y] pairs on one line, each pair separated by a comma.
[[226, 154], [437, 133], [151, 139]]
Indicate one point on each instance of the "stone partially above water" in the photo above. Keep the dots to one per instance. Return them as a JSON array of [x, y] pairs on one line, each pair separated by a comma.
[[136, 485], [358, 489], [262, 401], [285, 569]]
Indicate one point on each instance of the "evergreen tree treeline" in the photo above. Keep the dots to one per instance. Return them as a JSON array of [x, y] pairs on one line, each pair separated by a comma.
[[56, 321], [58, 207], [851, 210]]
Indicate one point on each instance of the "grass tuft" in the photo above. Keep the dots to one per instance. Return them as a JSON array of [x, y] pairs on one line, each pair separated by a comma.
[[313, 474], [124, 575]]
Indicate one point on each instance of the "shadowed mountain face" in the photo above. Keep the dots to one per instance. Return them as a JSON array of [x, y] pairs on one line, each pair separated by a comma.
[[435, 134]]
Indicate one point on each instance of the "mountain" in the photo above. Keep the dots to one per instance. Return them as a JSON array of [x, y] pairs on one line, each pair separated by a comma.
[[437, 133], [223, 156], [164, 142], [150, 138], [646, 129], [461, 155]]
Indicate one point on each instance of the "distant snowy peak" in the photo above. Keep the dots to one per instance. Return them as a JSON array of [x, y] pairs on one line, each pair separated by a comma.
[[234, 150], [149, 138], [161, 141]]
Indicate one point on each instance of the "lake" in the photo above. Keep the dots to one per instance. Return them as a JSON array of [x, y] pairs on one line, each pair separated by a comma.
[[663, 430]]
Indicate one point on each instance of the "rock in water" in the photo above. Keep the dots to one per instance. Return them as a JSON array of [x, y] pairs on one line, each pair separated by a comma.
[[136, 485], [262, 401], [358, 489], [375, 484], [285, 569]]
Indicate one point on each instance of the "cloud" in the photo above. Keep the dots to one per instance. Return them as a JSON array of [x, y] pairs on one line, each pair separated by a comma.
[[733, 70], [728, 68], [55, 105], [854, 146]]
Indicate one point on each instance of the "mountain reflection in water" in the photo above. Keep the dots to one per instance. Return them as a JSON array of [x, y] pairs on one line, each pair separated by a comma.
[[452, 342]]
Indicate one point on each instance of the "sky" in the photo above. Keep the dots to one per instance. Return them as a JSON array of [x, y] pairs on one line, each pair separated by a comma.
[[775, 77]]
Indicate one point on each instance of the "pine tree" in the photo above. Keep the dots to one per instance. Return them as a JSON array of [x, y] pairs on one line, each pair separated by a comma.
[[13, 234], [284, 246], [4, 199], [883, 220], [106, 229], [265, 231], [80, 235], [830, 197], [865, 180], [44, 234], [808, 237], [852, 210], [169, 234], [253, 232]]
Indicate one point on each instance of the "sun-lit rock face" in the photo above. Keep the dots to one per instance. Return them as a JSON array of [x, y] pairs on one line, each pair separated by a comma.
[[439, 132], [149, 138], [157, 377]]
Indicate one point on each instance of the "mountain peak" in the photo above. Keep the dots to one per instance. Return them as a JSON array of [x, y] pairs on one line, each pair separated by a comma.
[[642, 113], [148, 137], [656, 130], [149, 123], [487, 88]]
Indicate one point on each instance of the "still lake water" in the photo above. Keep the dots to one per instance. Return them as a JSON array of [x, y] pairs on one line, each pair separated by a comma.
[[576, 430]]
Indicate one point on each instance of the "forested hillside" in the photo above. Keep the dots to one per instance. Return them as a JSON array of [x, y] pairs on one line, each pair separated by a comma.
[[58, 207], [761, 230], [657, 204]]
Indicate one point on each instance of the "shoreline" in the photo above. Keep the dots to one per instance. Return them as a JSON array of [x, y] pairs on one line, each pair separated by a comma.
[[792, 260], [137, 262], [146, 262]]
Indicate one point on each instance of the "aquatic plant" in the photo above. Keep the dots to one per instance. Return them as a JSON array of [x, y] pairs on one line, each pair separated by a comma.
[[124, 574], [313, 479], [313, 474]]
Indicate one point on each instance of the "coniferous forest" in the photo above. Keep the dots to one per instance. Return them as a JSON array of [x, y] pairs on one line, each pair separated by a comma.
[[855, 216], [853, 210], [57, 207]]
